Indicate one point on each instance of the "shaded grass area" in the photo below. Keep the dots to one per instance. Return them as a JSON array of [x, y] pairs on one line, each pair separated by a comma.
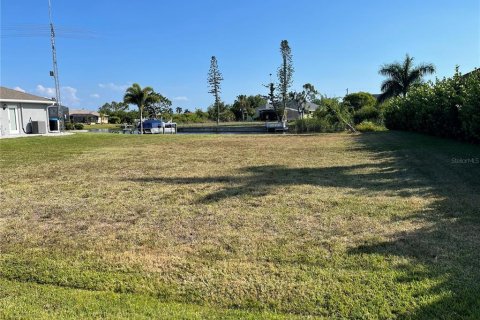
[[380, 225]]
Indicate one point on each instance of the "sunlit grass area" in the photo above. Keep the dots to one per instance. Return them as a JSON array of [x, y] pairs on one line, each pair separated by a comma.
[[102, 126], [380, 225]]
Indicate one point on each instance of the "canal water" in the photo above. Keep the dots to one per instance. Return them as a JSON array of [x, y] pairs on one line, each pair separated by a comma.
[[180, 132], [195, 130]]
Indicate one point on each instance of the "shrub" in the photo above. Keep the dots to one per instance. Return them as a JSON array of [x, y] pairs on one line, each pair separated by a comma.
[[226, 115], [469, 112], [368, 126], [358, 100], [449, 107], [189, 118], [78, 126], [316, 125], [367, 113], [69, 126], [114, 119]]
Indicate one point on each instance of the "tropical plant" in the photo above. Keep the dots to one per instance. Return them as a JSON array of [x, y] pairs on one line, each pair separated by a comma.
[[214, 79], [401, 76], [241, 106], [140, 97]]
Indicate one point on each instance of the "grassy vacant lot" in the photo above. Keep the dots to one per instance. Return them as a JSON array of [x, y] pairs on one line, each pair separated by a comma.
[[381, 225]]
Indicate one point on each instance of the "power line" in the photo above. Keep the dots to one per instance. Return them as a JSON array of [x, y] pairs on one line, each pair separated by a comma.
[[40, 30]]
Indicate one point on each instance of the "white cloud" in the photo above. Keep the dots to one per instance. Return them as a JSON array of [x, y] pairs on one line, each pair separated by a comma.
[[182, 98], [46, 92], [19, 89], [95, 95], [68, 95], [113, 86]]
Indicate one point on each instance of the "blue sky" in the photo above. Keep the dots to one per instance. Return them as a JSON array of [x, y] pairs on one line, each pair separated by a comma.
[[168, 44]]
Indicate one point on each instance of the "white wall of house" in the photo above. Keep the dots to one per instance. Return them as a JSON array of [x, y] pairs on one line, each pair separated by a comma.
[[17, 116], [32, 112], [4, 122]]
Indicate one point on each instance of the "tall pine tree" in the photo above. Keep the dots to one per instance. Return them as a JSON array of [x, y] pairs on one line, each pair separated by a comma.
[[214, 78], [285, 74]]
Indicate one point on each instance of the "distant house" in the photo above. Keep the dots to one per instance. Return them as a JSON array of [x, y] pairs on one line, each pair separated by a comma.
[[87, 116], [23, 113], [267, 112]]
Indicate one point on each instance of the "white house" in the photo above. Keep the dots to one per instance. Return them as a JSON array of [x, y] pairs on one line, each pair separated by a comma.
[[23, 113], [267, 112]]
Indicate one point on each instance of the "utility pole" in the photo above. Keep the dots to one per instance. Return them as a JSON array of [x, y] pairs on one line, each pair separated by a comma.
[[54, 73]]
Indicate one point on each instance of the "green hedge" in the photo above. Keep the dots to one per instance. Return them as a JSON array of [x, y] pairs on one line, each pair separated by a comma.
[[449, 107], [367, 113]]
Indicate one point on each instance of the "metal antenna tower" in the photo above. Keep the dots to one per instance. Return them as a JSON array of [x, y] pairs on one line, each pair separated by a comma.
[[54, 73]]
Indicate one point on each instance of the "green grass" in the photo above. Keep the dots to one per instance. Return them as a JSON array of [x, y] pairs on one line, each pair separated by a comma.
[[102, 126], [369, 226], [34, 301]]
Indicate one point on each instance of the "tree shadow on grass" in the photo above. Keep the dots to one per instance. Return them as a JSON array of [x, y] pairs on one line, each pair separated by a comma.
[[258, 181], [447, 249]]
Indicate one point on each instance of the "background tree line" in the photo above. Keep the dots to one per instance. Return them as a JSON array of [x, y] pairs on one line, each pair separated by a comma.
[[448, 107]]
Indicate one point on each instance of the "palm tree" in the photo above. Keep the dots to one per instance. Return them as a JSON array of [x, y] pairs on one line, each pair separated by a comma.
[[400, 77], [244, 104], [140, 97]]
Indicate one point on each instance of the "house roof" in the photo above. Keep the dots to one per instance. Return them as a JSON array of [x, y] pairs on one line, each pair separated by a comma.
[[11, 95], [83, 112]]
